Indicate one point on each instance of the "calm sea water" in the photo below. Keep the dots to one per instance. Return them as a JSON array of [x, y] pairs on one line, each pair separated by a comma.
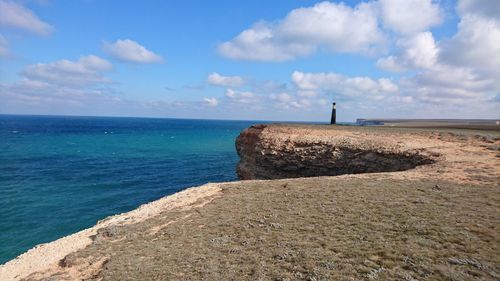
[[59, 175]]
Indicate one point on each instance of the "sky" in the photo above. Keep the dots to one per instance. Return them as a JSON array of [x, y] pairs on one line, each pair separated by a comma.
[[285, 60]]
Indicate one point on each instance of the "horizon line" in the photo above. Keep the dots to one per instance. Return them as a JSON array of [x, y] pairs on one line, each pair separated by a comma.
[[157, 117]]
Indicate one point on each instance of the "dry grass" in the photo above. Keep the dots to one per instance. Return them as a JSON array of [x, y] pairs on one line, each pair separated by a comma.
[[335, 228], [435, 222]]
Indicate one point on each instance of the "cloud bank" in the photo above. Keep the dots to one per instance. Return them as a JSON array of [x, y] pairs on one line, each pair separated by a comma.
[[419, 74], [452, 75], [335, 27], [66, 83]]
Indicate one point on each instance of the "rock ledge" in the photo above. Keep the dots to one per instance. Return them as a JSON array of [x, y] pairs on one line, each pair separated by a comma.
[[273, 152]]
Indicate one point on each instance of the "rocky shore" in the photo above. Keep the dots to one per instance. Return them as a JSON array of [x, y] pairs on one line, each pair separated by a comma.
[[336, 203]]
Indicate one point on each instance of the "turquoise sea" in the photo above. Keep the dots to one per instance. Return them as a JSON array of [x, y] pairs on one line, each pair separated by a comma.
[[59, 175]]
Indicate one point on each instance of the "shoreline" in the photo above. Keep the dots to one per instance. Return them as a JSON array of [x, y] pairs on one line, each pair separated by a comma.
[[44, 256], [453, 165]]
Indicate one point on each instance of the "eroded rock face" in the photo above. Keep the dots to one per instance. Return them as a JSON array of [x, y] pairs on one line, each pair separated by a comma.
[[273, 152]]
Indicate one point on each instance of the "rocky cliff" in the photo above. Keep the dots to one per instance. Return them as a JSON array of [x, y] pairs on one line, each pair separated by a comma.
[[436, 220], [279, 151]]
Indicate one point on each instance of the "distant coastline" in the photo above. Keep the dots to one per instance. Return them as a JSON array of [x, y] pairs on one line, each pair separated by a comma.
[[480, 124]]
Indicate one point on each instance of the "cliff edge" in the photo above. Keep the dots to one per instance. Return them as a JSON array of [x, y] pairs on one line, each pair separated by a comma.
[[291, 151], [277, 151], [406, 204]]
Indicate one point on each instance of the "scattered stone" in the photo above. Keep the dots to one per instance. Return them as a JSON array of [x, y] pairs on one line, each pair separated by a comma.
[[68, 261], [276, 225], [466, 261]]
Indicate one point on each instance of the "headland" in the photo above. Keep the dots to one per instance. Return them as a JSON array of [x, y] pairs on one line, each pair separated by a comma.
[[316, 203]]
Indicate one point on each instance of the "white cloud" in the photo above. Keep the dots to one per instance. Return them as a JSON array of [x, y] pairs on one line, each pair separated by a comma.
[[390, 63], [467, 68], [4, 46], [285, 101], [387, 86], [234, 94], [456, 70], [86, 71], [410, 16], [476, 45], [246, 95], [230, 93], [62, 84], [131, 51], [226, 81], [281, 97], [450, 85], [416, 51], [15, 15], [457, 76], [259, 44], [307, 93], [486, 8], [336, 27], [302, 103], [340, 85], [211, 102], [240, 96]]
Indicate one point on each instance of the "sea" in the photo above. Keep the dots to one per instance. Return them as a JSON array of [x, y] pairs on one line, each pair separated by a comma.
[[61, 174]]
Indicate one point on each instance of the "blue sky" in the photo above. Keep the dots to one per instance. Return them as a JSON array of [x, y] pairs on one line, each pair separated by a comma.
[[273, 60]]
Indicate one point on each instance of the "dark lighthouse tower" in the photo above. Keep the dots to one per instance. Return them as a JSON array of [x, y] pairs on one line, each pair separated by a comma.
[[334, 115]]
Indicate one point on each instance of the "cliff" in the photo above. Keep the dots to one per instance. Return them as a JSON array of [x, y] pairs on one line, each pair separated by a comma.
[[272, 152], [422, 204]]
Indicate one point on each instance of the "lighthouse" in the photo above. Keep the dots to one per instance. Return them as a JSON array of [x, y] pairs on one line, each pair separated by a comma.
[[333, 120]]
